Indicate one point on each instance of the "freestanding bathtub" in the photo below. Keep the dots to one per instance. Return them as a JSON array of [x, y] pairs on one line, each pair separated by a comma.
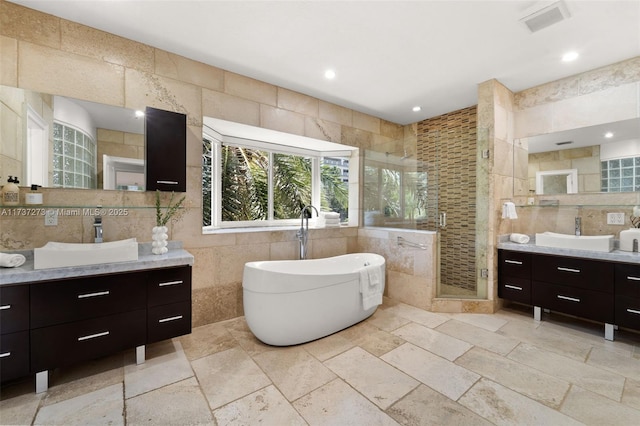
[[288, 302]]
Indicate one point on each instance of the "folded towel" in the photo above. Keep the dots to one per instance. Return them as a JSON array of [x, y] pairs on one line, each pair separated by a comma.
[[519, 238], [371, 286], [330, 215], [509, 211], [11, 260]]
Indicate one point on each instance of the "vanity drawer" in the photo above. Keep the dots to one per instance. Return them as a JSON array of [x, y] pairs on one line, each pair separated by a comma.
[[516, 289], [628, 312], [628, 280], [582, 273], [576, 301], [14, 308], [167, 321], [83, 298], [66, 344], [14, 355], [514, 264], [169, 285]]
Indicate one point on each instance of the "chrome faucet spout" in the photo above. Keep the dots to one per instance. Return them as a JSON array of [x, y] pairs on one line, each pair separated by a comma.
[[303, 232], [97, 227], [578, 226]]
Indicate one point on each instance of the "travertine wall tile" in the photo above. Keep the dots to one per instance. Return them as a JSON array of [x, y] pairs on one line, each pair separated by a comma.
[[227, 107], [9, 64], [187, 70], [87, 41], [69, 74], [29, 25], [366, 122], [297, 102], [323, 130], [248, 88], [336, 113], [282, 120]]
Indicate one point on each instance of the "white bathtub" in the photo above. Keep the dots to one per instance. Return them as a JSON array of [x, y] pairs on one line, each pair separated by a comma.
[[288, 302]]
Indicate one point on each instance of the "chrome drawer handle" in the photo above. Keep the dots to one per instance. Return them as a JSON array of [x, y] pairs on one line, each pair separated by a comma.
[[92, 336], [513, 287], [99, 293], [177, 317], [515, 262], [170, 283], [633, 311], [5, 354], [168, 182], [560, 268], [571, 299], [3, 307], [633, 278]]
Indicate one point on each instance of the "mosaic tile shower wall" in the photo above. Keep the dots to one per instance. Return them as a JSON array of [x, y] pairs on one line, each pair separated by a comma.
[[450, 140]]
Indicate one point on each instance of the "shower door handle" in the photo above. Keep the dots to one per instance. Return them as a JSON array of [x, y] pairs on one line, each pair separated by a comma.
[[443, 220]]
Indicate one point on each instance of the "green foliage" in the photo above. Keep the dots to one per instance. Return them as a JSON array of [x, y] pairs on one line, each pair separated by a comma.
[[172, 210]]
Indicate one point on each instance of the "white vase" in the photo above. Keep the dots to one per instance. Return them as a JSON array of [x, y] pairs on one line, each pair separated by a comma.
[[159, 240], [627, 237]]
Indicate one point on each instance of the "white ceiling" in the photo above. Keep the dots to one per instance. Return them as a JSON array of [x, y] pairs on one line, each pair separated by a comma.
[[388, 55]]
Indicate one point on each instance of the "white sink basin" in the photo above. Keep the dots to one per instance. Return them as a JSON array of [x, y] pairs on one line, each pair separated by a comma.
[[56, 255], [582, 242]]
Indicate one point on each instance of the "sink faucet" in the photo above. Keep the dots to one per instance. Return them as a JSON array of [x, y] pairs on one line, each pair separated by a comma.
[[578, 225], [97, 227], [303, 232]]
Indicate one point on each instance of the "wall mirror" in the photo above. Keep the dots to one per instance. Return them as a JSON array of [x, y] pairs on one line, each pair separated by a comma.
[[55, 141], [606, 156]]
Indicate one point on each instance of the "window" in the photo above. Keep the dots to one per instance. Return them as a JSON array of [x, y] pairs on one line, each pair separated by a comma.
[[74, 158], [620, 175], [250, 180]]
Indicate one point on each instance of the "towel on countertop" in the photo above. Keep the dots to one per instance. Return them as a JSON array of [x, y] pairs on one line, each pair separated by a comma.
[[509, 211], [328, 219], [11, 260], [519, 238], [330, 215], [371, 286]]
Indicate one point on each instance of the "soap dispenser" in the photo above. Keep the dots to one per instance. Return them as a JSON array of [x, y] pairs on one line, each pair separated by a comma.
[[11, 192], [33, 197]]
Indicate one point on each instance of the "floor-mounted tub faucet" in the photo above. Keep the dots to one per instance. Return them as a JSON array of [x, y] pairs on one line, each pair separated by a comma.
[[303, 232]]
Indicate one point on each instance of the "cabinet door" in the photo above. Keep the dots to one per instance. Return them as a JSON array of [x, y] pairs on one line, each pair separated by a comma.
[[628, 280], [66, 344], [88, 297], [582, 273], [628, 312], [165, 150], [14, 308], [514, 264], [169, 285], [580, 302], [14, 355]]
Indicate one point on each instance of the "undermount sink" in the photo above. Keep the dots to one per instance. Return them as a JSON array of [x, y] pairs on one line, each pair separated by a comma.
[[576, 242], [56, 255]]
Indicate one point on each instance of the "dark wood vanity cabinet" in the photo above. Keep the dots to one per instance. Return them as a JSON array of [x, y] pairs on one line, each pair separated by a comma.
[[165, 150], [50, 324], [14, 331], [599, 290]]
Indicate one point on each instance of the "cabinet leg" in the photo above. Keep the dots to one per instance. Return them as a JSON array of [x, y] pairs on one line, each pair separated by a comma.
[[140, 354], [42, 381], [608, 331], [537, 313]]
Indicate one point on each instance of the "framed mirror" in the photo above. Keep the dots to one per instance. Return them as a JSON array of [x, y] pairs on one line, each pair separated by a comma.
[[606, 157], [55, 141]]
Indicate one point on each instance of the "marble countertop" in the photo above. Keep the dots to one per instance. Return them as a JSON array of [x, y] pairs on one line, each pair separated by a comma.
[[176, 256], [615, 256]]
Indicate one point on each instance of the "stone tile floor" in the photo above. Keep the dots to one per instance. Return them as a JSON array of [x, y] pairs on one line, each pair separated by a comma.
[[402, 366]]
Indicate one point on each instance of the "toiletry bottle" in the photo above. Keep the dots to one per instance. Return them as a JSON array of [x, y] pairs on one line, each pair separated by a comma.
[[11, 192], [33, 197]]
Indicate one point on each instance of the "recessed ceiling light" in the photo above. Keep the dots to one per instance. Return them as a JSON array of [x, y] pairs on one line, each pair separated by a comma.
[[417, 108], [608, 135], [570, 56], [330, 74]]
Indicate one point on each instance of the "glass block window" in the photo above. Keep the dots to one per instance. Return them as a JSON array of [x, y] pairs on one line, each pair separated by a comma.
[[620, 175], [74, 158]]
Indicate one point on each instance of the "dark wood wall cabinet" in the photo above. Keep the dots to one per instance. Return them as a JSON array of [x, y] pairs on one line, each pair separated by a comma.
[[165, 150], [51, 324], [598, 290]]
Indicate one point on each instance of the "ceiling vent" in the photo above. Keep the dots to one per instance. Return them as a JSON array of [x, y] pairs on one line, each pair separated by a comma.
[[545, 14]]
